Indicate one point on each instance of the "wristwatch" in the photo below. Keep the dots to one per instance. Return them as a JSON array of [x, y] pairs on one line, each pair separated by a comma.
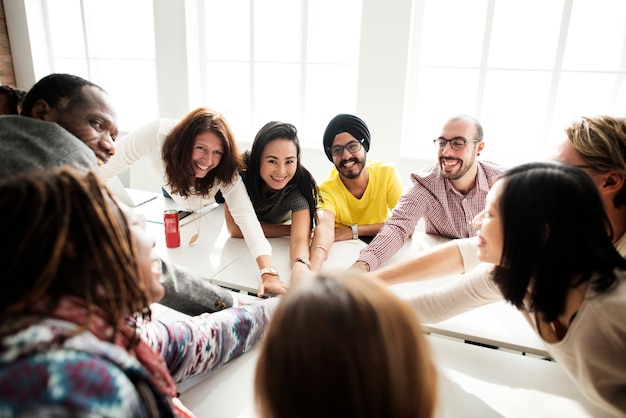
[[269, 270], [302, 260], [355, 231]]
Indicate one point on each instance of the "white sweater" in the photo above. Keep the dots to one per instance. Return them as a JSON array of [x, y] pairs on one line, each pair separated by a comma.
[[593, 351], [147, 142]]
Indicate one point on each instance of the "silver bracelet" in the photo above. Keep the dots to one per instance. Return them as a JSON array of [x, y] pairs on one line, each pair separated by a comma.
[[321, 247]]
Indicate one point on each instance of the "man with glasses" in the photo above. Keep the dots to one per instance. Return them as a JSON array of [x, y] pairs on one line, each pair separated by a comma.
[[447, 195], [359, 194]]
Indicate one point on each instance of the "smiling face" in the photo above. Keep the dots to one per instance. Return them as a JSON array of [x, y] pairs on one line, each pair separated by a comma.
[[490, 232], [92, 119], [457, 164], [207, 153], [348, 164], [279, 161]]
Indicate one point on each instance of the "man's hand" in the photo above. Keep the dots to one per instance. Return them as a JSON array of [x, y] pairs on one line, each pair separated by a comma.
[[343, 233], [361, 265]]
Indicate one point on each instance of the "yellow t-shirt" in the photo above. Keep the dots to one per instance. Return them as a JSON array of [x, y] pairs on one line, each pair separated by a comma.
[[381, 195]]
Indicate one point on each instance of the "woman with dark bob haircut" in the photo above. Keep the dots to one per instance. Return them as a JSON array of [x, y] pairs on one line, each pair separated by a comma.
[[283, 192], [342, 345], [545, 230], [195, 158]]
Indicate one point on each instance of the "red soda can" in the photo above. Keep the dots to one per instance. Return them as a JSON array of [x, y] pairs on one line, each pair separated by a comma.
[[172, 230]]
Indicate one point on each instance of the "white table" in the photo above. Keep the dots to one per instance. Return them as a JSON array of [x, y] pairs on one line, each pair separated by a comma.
[[474, 382], [497, 324], [227, 262], [213, 251], [244, 274]]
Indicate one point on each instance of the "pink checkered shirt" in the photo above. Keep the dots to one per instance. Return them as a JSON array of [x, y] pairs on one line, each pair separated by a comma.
[[446, 212]]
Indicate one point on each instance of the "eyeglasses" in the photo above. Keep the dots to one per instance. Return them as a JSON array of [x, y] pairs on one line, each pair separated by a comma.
[[456, 144], [352, 146]]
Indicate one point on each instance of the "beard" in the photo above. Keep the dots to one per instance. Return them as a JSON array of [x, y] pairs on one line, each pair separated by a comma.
[[462, 170], [352, 172]]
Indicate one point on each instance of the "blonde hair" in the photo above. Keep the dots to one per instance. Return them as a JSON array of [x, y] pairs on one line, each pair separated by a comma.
[[601, 140], [342, 345]]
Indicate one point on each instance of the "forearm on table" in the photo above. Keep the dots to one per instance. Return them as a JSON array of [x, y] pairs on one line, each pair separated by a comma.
[[369, 230], [440, 261], [472, 290], [385, 244], [276, 230]]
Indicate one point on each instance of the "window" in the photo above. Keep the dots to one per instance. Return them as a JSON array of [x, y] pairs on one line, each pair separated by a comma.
[[524, 69], [280, 60], [110, 43]]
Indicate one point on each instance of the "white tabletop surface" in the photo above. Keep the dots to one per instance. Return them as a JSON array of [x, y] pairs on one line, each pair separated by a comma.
[[227, 262], [213, 251], [497, 324], [474, 382]]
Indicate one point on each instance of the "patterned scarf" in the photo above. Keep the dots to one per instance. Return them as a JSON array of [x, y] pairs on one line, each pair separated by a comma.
[[74, 310]]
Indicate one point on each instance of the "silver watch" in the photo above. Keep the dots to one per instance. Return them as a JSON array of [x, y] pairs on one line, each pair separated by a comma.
[[355, 231], [269, 270]]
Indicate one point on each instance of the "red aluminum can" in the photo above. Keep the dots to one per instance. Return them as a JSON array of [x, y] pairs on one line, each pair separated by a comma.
[[172, 230]]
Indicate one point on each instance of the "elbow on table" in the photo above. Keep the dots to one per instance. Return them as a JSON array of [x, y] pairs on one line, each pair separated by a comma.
[[234, 231]]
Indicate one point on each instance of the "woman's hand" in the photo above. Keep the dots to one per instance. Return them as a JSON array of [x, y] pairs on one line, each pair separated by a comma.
[[272, 284]]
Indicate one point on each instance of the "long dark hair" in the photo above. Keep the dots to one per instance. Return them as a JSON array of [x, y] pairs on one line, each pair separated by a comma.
[[556, 234], [302, 178], [178, 148]]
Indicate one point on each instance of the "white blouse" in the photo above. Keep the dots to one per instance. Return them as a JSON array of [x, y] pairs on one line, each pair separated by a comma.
[[147, 142]]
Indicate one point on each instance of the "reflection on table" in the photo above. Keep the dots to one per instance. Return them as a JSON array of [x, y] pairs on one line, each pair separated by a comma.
[[475, 381]]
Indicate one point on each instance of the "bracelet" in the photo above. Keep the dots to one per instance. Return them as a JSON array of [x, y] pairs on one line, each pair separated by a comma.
[[302, 260], [321, 247]]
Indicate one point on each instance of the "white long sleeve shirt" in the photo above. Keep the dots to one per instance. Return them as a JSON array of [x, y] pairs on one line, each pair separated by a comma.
[[147, 142], [592, 352]]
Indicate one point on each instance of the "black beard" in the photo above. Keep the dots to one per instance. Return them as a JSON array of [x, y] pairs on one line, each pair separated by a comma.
[[350, 175]]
